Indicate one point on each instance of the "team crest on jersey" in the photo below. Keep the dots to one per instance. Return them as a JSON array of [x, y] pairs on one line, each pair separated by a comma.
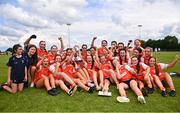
[[23, 61], [15, 62]]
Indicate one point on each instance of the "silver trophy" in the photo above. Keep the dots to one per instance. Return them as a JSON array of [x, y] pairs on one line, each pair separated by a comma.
[[78, 53]]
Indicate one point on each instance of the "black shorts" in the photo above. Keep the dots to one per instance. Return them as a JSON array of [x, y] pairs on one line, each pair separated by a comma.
[[128, 81], [18, 81], [165, 84]]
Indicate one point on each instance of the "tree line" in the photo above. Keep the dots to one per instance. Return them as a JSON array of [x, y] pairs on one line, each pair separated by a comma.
[[169, 43]]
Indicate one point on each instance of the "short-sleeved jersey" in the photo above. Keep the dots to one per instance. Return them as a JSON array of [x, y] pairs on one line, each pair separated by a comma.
[[161, 66], [50, 58], [69, 70], [84, 55], [143, 67], [161, 75], [100, 51], [145, 60], [105, 67], [29, 60], [41, 53], [125, 70], [44, 71], [17, 67]]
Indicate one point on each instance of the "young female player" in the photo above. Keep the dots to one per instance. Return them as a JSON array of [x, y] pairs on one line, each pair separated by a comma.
[[123, 57], [137, 44], [142, 75], [69, 68], [161, 77], [44, 78], [17, 71], [107, 72], [148, 54], [32, 59], [91, 66], [61, 78], [127, 80]]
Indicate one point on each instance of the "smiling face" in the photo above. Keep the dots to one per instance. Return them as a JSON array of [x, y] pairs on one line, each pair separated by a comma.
[[134, 61], [136, 53], [105, 52], [89, 59], [103, 59], [42, 44], [92, 51], [115, 63], [69, 52], [121, 46], [122, 53], [45, 63], [148, 52], [113, 44], [84, 47], [19, 51], [104, 43], [152, 62], [137, 43], [58, 58], [54, 49], [32, 50]]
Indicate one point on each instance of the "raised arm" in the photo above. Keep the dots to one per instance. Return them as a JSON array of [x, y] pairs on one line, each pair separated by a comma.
[[92, 43], [110, 53], [62, 44], [29, 39], [129, 43], [177, 58], [97, 58]]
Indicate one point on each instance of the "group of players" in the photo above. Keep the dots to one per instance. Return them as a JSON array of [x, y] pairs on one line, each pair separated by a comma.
[[88, 69]]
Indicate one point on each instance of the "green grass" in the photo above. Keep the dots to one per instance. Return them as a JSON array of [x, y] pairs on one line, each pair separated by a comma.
[[34, 100]]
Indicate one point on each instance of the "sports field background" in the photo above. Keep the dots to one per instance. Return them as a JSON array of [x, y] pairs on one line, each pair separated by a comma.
[[34, 100]]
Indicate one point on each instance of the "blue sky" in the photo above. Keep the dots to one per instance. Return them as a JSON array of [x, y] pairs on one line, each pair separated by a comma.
[[106, 19]]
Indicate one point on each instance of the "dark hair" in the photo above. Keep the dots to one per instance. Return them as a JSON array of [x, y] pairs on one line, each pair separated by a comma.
[[140, 55], [15, 47], [41, 41], [53, 46], [113, 42], [137, 40], [93, 48], [121, 43], [68, 49], [138, 64], [84, 45], [104, 41], [35, 56], [120, 56], [92, 62], [156, 66], [57, 55]]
